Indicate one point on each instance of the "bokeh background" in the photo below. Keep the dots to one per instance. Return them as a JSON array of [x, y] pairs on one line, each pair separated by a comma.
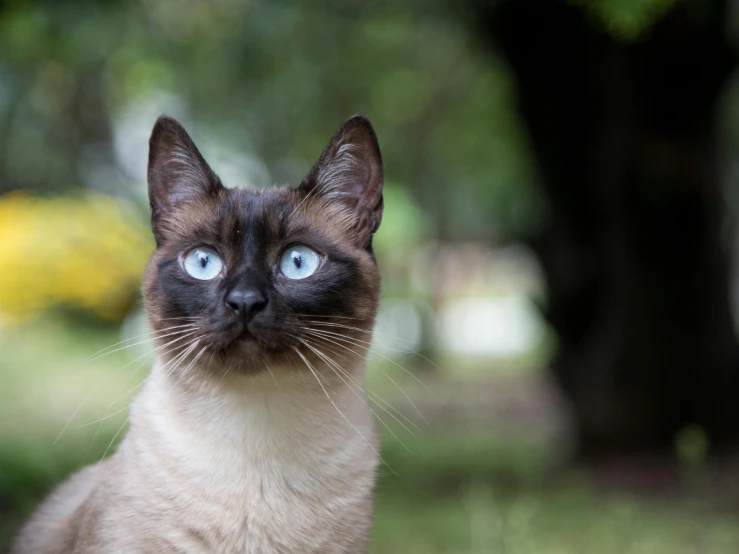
[[557, 334]]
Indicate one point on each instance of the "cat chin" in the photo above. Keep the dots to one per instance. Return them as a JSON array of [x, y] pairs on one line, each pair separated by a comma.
[[248, 356]]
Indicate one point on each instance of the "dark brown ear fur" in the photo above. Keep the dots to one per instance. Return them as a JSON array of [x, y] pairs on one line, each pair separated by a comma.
[[350, 171], [177, 173]]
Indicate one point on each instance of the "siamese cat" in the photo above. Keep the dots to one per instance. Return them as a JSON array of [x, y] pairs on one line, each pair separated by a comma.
[[251, 434]]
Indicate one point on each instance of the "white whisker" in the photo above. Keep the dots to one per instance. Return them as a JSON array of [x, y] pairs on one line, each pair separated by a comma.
[[93, 356], [360, 343], [318, 380], [93, 391], [195, 359], [376, 333], [135, 344], [333, 364], [112, 441], [375, 395]]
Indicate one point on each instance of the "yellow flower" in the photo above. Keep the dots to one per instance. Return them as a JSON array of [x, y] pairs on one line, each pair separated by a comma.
[[87, 253]]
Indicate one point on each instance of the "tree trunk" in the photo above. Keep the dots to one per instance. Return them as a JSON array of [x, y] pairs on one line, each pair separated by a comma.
[[637, 271]]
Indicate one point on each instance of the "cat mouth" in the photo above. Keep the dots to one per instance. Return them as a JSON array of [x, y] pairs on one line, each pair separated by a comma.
[[246, 336], [250, 338], [241, 334], [248, 345], [249, 351]]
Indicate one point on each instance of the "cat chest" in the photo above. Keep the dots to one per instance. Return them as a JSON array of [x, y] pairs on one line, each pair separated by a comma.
[[250, 476], [281, 512]]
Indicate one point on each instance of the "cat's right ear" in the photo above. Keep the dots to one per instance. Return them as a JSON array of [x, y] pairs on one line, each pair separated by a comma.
[[177, 174]]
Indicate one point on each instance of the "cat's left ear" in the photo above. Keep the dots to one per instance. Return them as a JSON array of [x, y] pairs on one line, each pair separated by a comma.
[[350, 171]]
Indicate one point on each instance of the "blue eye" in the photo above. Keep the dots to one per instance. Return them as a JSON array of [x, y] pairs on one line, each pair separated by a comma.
[[299, 262], [202, 263]]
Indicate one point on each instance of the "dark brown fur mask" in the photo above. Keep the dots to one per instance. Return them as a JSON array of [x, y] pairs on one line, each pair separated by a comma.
[[234, 269]]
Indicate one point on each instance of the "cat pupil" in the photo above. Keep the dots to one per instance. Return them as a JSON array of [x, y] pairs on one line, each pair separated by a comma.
[[297, 260], [203, 261]]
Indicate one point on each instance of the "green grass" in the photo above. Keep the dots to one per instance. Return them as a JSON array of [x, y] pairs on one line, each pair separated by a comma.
[[480, 494], [456, 491]]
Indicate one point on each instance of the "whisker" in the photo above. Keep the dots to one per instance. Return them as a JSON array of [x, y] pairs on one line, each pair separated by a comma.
[[157, 349], [406, 418], [74, 413], [94, 421], [352, 340], [92, 441], [175, 362], [92, 356], [408, 398], [107, 416], [135, 344], [223, 375], [376, 333], [315, 374], [141, 383], [326, 316], [113, 440], [194, 361], [100, 421], [93, 391], [180, 317], [266, 364], [332, 363]]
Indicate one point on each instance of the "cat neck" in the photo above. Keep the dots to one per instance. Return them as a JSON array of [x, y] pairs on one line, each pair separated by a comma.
[[281, 413]]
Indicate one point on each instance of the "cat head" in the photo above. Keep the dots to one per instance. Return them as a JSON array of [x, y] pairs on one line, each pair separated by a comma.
[[245, 278]]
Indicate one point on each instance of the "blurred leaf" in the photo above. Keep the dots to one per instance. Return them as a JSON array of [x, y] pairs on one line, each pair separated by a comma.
[[626, 19]]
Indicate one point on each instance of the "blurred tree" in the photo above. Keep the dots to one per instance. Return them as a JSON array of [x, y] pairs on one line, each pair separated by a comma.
[[262, 84], [624, 136]]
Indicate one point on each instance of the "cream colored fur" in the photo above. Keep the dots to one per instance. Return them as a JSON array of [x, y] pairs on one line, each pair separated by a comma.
[[236, 464]]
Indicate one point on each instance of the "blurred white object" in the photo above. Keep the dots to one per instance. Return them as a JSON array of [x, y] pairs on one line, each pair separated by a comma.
[[498, 327], [398, 327]]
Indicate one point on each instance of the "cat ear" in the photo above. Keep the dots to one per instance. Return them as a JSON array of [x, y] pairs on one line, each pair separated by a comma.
[[350, 171], [177, 172]]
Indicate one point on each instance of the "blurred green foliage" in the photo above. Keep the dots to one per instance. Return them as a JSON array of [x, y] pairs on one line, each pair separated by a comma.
[[626, 19], [264, 85]]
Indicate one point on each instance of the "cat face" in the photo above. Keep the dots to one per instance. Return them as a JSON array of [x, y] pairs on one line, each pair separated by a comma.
[[247, 273]]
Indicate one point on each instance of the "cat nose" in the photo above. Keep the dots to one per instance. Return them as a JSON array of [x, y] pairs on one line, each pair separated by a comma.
[[246, 303]]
